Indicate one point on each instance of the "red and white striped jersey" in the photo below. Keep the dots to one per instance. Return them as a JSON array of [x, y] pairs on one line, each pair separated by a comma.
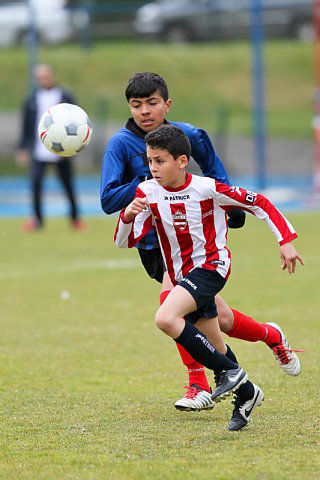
[[191, 223]]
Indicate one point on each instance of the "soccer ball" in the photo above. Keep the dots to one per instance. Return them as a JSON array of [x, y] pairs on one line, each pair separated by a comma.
[[65, 129]]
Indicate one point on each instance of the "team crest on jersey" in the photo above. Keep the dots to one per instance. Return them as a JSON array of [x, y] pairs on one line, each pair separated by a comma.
[[180, 220]]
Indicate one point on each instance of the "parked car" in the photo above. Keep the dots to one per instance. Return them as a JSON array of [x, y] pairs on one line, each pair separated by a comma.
[[191, 20], [53, 20]]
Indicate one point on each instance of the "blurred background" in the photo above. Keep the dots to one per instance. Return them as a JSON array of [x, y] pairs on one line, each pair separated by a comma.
[[246, 71]]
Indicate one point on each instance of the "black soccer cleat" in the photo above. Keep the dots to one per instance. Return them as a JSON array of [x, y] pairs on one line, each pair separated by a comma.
[[228, 381], [244, 408]]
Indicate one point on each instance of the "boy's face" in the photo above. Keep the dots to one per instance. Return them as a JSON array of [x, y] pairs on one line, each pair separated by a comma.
[[167, 171], [149, 112]]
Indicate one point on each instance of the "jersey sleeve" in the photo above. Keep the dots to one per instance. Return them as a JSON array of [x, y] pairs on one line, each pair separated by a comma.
[[128, 234], [114, 194], [257, 204]]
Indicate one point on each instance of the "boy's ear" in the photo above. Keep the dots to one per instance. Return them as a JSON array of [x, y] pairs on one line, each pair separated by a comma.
[[168, 105], [183, 161]]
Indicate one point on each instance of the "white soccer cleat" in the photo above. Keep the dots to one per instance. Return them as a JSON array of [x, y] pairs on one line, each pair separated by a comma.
[[285, 356], [195, 400]]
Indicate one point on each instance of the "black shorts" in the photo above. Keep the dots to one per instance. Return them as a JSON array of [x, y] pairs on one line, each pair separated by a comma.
[[203, 285], [153, 263]]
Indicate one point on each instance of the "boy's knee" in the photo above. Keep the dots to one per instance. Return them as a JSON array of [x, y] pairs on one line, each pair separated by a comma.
[[225, 318], [163, 320]]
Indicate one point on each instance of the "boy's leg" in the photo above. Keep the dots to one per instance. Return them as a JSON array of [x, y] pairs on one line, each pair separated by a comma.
[[238, 325], [197, 376], [169, 319], [247, 397], [198, 394], [210, 327], [195, 399]]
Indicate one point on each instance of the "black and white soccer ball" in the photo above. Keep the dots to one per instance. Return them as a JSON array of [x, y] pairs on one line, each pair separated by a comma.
[[65, 129]]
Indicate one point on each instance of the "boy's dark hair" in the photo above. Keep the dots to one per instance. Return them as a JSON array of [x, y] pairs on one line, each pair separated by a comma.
[[144, 84], [170, 138]]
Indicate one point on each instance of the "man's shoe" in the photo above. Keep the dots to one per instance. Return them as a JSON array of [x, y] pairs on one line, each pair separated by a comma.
[[244, 408], [228, 381], [31, 225], [285, 356], [195, 400], [79, 224]]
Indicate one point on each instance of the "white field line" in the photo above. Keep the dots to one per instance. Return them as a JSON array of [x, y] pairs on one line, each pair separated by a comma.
[[27, 271]]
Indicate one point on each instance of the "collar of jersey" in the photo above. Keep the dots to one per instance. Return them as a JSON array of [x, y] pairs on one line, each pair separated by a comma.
[[182, 187], [137, 131]]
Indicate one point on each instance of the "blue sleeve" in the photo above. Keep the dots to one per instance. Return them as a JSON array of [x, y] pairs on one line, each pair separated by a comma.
[[114, 193], [204, 154]]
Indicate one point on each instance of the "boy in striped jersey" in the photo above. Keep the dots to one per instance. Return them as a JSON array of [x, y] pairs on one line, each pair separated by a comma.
[[124, 166], [189, 214]]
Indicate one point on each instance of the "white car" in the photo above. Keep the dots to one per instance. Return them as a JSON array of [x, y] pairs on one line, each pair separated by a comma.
[[52, 20], [191, 20]]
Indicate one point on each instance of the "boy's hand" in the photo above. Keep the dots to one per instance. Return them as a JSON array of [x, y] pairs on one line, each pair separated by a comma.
[[135, 207], [289, 256]]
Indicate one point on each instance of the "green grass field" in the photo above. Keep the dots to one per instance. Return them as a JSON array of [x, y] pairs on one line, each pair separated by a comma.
[[88, 383], [204, 80]]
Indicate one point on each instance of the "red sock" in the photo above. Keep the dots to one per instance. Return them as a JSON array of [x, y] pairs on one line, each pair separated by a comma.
[[245, 328], [163, 296], [195, 370], [273, 335]]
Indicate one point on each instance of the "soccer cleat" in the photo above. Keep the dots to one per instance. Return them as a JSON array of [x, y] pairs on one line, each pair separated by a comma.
[[243, 409], [285, 356], [31, 225], [228, 381], [79, 224], [195, 400]]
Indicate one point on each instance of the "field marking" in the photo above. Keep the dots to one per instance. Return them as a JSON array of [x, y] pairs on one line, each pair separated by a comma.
[[124, 264]]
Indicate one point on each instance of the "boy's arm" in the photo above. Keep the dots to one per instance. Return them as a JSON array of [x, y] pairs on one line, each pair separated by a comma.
[[262, 208], [137, 206], [114, 193], [134, 222]]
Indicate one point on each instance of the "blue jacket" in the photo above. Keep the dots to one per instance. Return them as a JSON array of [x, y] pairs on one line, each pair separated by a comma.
[[125, 165]]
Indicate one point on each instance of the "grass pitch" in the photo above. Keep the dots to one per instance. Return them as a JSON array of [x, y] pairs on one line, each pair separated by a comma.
[[88, 384], [210, 83]]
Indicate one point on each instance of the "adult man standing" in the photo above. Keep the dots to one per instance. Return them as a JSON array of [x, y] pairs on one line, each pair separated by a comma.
[[46, 94]]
